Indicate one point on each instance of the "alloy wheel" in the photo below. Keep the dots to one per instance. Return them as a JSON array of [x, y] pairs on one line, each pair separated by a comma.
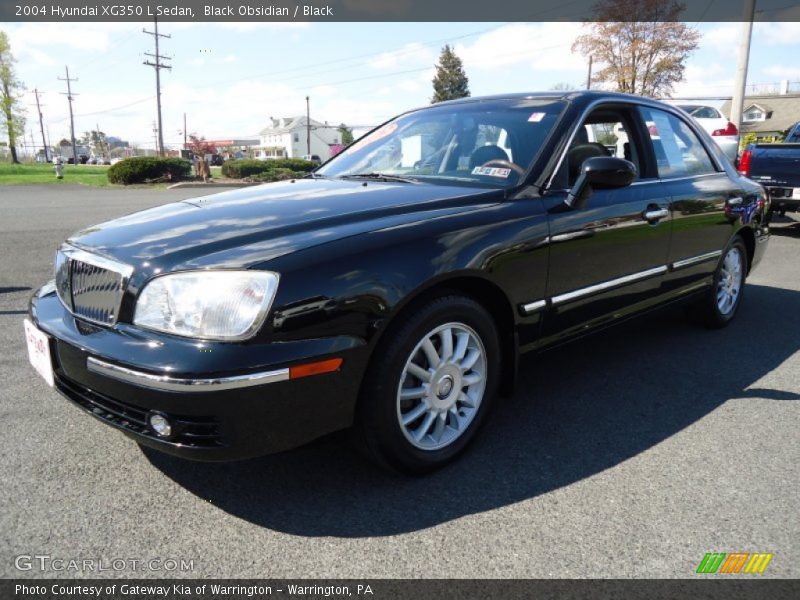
[[441, 386], [729, 284]]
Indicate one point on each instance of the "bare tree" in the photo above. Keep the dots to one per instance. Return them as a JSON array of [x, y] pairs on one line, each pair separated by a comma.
[[11, 89], [640, 45]]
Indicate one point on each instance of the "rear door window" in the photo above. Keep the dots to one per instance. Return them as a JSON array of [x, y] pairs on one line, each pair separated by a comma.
[[678, 150]]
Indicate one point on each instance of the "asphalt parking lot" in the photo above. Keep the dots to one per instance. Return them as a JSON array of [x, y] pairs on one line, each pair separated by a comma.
[[629, 454]]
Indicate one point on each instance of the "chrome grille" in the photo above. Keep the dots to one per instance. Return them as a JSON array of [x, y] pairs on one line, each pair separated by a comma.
[[90, 286]]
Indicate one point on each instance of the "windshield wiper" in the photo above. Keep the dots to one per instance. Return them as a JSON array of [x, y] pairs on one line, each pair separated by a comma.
[[380, 177], [314, 176]]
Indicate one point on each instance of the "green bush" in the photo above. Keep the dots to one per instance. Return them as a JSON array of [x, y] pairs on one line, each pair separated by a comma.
[[276, 175], [246, 167], [141, 169]]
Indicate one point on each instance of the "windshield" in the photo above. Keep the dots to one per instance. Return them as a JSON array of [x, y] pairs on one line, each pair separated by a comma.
[[487, 143]]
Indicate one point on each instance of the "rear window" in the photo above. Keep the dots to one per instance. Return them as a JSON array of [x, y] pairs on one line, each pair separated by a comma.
[[701, 112]]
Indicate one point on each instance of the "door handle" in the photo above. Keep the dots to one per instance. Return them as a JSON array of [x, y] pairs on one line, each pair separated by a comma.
[[655, 214]]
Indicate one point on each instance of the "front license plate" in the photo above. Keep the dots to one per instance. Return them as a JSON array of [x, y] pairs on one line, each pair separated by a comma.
[[39, 351]]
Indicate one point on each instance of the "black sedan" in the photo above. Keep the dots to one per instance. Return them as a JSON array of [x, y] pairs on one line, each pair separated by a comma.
[[393, 290]]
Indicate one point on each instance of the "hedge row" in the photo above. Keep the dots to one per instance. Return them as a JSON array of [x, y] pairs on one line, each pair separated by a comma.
[[246, 167], [276, 175], [141, 169]]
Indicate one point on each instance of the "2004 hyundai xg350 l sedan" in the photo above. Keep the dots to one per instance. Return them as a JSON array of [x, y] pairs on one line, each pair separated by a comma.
[[393, 289]]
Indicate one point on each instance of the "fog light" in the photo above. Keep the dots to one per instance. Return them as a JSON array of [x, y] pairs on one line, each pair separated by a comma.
[[160, 424]]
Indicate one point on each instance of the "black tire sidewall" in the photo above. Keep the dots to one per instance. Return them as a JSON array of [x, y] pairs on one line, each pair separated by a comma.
[[378, 402]]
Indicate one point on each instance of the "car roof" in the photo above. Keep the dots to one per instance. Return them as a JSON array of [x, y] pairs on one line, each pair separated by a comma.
[[582, 96]]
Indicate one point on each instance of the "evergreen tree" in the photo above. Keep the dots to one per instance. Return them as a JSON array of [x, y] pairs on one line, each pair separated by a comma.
[[451, 81]]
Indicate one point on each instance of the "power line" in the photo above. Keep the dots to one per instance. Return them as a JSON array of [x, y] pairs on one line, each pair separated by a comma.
[[71, 117], [157, 66]]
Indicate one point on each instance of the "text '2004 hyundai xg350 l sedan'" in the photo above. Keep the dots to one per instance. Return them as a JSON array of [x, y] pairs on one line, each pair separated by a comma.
[[393, 289]]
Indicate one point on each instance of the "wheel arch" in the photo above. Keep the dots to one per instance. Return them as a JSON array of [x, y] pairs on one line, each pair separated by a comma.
[[749, 238], [484, 291]]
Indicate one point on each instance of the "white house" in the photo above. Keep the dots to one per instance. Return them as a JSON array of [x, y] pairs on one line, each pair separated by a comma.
[[287, 138]]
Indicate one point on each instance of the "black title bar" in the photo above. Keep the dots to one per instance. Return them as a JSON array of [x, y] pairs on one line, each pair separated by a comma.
[[694, 11], [727, 587]]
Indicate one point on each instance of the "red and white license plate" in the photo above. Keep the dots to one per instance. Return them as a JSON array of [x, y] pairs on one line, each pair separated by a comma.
[[39, 351]]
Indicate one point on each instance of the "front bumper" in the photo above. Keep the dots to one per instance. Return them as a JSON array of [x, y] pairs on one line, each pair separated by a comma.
[[227, 401]]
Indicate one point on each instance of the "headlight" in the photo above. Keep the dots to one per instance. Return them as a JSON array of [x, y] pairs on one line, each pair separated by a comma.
[[222, 305]]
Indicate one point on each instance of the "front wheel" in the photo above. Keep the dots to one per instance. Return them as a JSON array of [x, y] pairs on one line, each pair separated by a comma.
[[430, 385], [718, 306]]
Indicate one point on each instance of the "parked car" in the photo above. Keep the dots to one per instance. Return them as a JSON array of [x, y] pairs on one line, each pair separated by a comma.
[[776, 167], [723, 132], [314, 158], [394, 289]]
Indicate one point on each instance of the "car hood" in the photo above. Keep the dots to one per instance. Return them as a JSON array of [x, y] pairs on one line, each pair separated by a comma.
[[249, 226]]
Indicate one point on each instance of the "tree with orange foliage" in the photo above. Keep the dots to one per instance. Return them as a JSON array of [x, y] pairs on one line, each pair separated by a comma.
[[640, 45]]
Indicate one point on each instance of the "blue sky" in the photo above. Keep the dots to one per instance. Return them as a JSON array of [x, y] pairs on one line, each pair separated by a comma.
[[230, 78]]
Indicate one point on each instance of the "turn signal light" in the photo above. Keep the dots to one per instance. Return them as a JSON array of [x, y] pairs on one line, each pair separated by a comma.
[[315, 368], [729, 130]]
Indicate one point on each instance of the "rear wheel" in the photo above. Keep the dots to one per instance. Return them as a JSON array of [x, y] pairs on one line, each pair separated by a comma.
[[717, 307], [430, 385]]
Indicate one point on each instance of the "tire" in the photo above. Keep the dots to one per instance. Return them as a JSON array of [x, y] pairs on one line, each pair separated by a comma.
[[434, 420], [718, 306]]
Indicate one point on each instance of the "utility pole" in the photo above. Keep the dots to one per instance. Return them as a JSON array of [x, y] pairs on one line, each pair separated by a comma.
[[184, 131], [589, 76], [158, 65], [308, 127], [41, 125], [737, 102], [69, 96]]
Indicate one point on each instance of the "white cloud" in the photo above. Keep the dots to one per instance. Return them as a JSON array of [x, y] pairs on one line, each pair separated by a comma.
[[413, 53], [321, 91], [82, 36], [780, 33], [541, 46], [781, 72], [723, 39], [705, 80]]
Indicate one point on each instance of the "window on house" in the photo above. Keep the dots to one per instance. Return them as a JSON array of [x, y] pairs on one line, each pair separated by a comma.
[[754, 115], [296, 137]]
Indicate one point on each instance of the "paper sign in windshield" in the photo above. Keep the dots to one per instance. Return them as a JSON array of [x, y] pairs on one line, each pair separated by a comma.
[[492, 172], [376, 135], [536, 117]]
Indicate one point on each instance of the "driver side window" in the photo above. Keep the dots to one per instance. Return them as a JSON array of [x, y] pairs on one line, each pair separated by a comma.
[[603, 133]]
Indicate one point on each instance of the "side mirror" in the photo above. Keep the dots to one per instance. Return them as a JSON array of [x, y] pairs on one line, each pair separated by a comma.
[[600, 172]]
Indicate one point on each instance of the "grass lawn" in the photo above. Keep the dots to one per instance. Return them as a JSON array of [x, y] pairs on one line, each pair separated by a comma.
[[43, 173]]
